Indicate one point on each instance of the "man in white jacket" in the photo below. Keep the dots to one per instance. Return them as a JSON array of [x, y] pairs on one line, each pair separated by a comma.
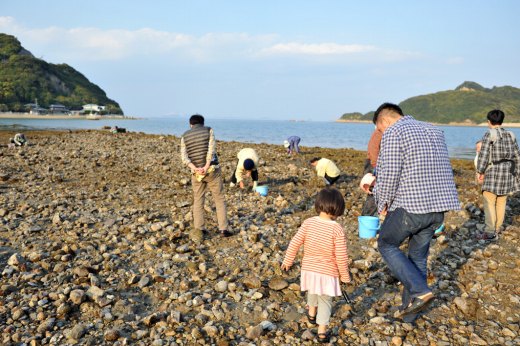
[[326, 169], [246, 166]]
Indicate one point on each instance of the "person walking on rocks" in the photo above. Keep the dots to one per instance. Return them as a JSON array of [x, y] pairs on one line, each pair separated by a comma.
[[325, 260], [497, 166], [247, 166], [199, 153], [326, 169], [292, 145], [414, 188]]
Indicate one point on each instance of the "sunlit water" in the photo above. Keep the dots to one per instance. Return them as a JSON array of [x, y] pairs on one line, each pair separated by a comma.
[[460, 139]]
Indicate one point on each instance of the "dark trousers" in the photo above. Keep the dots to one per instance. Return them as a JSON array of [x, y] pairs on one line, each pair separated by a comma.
[[330, 179], [369, 207], [254, 176]]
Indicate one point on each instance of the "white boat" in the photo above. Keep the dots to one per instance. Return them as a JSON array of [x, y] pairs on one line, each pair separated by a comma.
[[93, 117]]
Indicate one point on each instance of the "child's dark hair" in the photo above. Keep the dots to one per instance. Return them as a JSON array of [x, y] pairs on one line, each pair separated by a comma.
[[330, 201], [315, 159]]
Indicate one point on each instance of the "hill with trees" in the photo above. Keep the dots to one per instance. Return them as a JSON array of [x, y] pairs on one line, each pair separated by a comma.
[[24, 79], [468, 103]]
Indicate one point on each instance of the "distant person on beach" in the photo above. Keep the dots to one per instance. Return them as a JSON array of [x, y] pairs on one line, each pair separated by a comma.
[[115, 129], [498, 167], [326, 169], [247, 165], [292, 145], [414, 188], [18, 140], [199, 153], [370, 206], [325, 259]]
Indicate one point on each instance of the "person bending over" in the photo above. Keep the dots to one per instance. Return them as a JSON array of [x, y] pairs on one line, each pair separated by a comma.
[[246, 166]]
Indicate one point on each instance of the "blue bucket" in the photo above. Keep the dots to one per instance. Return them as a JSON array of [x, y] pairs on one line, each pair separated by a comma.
[[368, 226], [439, 231], [262, 190]]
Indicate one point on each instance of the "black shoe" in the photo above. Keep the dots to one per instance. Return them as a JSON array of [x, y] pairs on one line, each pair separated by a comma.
[[324, 338], [487, 236], [226, 233], [312, 319], [418, 305]]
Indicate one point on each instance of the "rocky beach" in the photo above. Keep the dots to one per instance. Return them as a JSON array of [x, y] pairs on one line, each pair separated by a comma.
[[95, 250]]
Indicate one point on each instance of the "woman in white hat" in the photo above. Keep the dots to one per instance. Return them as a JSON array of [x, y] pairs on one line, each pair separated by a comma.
[[291, 144]]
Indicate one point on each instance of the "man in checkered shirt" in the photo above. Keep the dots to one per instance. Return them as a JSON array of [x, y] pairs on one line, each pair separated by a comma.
[[414, 189]]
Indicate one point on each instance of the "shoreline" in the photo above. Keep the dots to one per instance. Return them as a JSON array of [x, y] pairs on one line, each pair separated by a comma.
[[62, 117], [455, 124]]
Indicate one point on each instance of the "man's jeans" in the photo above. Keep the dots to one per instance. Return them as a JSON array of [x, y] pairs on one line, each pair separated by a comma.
[[411, 270]]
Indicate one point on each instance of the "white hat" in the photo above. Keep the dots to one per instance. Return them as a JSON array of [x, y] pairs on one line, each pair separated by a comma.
[[286, 143], [367, 179]]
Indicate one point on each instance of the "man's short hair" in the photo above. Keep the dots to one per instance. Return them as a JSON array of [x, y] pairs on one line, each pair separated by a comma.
[[387, 106], [496, 117], [249, 164], [196, 119], [315, 159], [330, 201]]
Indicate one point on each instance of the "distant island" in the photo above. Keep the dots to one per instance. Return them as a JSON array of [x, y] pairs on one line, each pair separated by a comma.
[[29, 85], [468, 104]]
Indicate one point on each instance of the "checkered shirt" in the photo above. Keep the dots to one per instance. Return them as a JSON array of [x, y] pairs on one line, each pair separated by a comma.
[[413, 169], [497, 160]]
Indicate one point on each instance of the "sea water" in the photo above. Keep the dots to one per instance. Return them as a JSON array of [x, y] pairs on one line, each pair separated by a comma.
[[459, 139]]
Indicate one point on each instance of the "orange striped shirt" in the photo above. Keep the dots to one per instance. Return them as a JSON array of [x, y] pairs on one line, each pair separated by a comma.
[[324, 245]]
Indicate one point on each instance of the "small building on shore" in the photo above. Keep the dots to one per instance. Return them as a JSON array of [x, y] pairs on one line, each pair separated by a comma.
[[93, 108], [58, 109], [35, 109]]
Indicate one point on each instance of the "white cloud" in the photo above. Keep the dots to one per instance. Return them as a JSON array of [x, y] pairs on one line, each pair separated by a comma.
[[317, 49], [113, 45]]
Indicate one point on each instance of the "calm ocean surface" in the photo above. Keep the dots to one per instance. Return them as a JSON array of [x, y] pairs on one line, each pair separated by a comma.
[[460, 139]]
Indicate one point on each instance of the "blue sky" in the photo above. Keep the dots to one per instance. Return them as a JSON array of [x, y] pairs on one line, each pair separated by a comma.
[[285, 59]]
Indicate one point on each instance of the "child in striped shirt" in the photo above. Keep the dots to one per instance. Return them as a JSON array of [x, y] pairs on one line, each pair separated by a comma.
[[325, 259]]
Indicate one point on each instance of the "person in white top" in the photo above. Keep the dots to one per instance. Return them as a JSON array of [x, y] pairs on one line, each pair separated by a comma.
[[247, 166], [326, 169]]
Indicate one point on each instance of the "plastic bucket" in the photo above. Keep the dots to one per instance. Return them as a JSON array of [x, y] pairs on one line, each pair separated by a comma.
[[368, 226], [439, 230], [262, 190]]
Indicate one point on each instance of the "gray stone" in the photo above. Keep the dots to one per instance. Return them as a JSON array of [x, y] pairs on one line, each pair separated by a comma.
[[278, 284], [111, 335], [144, 281], [255, 332], [211, 331], [56, 219], [15, 260], [252, 282], [80, 271], [221, 286], [77, 332], [307, 335], [77, 296]]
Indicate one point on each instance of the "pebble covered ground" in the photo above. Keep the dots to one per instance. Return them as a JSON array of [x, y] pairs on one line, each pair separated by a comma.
[[95, 249]]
